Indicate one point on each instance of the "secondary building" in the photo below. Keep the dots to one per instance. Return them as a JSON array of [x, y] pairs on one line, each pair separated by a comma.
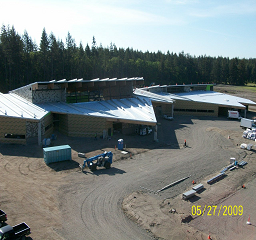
[[194, 99]]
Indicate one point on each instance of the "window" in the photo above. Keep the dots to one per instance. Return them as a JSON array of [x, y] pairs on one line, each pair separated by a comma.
[[201, 110], [17, 136]]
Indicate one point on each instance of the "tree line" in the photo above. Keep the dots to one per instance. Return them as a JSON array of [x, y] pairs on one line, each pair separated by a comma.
[[22, 62]]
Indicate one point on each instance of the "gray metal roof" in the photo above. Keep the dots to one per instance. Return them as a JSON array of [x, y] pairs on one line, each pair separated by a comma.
[[199, 96], [92, 80], [12, 105], [215, 98], [137, 109], [155, 97]]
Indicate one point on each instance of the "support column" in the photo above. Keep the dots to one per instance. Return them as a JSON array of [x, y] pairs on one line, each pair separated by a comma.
[[155, 134], [39, 133]]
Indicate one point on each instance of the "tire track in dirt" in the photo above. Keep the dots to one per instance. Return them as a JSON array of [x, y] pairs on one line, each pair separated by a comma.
[[21, 164]]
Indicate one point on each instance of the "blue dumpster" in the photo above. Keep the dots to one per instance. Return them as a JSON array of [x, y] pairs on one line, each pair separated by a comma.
[[120, 144]]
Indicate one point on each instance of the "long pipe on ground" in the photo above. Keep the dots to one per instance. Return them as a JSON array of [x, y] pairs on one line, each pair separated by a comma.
[[170, 185]]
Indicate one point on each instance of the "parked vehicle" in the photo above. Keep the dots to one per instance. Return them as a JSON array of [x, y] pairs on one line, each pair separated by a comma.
[[3, 217], [233, 114], [247, 123], [18, 232], [101, 160]]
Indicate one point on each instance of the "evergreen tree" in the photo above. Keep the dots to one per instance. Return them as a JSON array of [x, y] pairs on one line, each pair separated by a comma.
[[44, 57], [22, 62]]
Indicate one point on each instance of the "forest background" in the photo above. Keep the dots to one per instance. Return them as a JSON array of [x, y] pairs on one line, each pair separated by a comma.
[[23, 62]]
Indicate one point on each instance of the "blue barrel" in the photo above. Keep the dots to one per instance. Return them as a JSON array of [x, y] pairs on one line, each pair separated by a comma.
[[120, 144]]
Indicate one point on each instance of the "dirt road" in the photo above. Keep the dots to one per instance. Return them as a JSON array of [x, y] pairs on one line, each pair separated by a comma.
[[61, 202]]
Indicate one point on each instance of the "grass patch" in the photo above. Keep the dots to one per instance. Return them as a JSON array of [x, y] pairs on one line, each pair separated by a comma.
[[251, 87]]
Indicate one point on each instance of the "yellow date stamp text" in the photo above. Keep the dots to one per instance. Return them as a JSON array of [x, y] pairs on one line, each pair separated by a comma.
[[215, 210]]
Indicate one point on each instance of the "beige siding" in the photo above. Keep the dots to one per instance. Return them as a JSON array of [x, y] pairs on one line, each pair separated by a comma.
[[11, 125], [86, 126], [195, 108]]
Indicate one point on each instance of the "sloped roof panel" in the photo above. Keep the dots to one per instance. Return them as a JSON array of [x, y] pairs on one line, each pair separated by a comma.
[[137, 109], [12, 105], [216, 98], [197, 96], [156, 97]]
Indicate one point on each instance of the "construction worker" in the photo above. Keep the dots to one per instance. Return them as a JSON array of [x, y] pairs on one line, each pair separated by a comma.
[[185, 143]]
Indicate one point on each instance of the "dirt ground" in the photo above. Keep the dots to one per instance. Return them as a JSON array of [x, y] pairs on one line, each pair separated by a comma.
[[60, 202]]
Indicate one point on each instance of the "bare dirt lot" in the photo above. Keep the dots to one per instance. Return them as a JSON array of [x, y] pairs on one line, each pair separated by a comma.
[[60, 202]]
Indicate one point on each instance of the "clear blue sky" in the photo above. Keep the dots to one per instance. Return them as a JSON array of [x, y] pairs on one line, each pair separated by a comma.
[[224, 28]]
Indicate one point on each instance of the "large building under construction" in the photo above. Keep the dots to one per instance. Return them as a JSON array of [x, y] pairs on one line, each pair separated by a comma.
[[85, 108], [77, 107]]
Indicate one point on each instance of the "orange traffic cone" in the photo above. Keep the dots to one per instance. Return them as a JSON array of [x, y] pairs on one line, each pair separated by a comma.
[[243, 186], [248, 221], [193, 182]]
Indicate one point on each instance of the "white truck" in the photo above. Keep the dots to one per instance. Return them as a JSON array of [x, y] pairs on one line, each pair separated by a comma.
[[247, 123], [233, 114]]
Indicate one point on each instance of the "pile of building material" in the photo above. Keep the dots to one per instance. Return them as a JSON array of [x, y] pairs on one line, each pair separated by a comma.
[[230, 167], [215, 178], [191, 193], [188, 194], [250, 134], [242, 163], [246, 146], [198, 187], [81, 155]]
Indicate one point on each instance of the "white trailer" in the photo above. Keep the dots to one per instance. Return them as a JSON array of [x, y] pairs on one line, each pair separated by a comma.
[[233, 114], [246, 123]]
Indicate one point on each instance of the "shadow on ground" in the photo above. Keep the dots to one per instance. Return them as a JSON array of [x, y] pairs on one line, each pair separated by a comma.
[[132, 143]]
